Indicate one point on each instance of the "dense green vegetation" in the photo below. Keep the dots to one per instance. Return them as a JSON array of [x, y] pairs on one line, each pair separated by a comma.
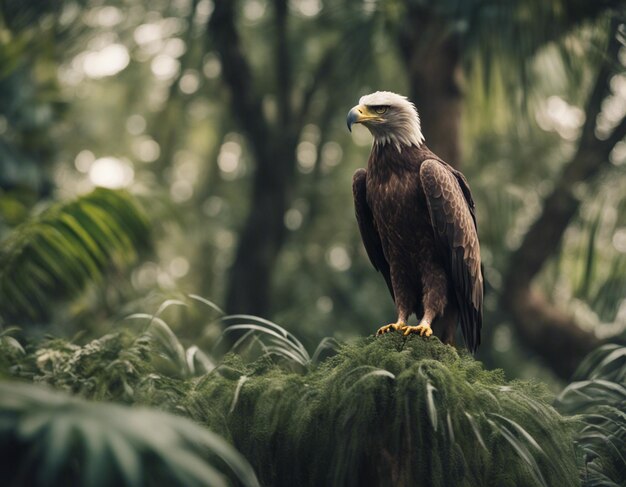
[[598, 394], [378, 410], [138, 95], [152, 153]]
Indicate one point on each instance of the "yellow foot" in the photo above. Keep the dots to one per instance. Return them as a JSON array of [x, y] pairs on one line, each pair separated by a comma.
[[391, 326], [423, 329]]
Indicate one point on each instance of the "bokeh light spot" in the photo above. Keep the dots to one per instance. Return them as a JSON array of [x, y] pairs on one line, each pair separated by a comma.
[[338, 258], [179, 267], [293, 219], [135, 124], [181, 191], [307, 155], [212, 66], [111, 172], [164, 67], [189, 82], [147, 149], [108, 61], [324, 304], [83, 161]]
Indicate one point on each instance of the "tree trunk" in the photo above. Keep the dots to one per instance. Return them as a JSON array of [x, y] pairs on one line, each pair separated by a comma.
[[262, 236], [433, 60]]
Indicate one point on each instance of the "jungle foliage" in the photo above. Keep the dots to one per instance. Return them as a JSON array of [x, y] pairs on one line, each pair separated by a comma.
[[228, 116], [56, 253], [377, 409], [598, 394], [48, 438]]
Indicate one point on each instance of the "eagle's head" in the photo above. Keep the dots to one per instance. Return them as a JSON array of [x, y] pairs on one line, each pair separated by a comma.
[[390, 117]]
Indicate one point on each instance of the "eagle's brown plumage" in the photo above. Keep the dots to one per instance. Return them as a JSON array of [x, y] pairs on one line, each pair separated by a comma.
[[416, 217]]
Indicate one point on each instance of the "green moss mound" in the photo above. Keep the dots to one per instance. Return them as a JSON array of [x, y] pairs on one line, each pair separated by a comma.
[[388, 411], [384, 411]]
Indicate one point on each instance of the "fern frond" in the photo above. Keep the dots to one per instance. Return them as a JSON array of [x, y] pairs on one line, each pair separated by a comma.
[[55, 254], [49, 438]]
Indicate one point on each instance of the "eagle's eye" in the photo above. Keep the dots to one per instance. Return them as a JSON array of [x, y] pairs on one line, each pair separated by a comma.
[[380, 109]]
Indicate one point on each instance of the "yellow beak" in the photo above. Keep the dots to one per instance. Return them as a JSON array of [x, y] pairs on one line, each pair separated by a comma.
[[360, 114]]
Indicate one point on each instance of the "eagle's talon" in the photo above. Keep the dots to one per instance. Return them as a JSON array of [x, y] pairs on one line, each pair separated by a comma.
[[391, 326], [423, 329]]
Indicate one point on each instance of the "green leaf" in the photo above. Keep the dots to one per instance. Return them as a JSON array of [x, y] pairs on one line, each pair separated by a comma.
[[58, 252], [75, 442]]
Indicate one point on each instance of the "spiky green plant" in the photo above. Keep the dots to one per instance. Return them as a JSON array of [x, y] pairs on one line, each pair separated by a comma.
[[49, 438], [172, 356], [120, 366], [388, 411], [55, 254], [589, 262], [263, 338], [598, 394], [110, 368], [381, 411]]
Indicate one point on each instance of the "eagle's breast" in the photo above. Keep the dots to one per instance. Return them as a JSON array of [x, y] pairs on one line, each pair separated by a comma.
[[398, 204]]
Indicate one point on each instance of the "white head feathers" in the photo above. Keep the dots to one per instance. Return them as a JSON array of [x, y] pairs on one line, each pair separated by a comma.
[[401, 125]]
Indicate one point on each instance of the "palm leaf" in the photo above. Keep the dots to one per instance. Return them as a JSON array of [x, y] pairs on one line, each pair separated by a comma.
[[49, 438], [58, 252], [598, 395]]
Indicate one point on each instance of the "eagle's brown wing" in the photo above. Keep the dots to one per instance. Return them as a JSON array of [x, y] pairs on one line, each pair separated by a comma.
[[452, 215], [369, 233]]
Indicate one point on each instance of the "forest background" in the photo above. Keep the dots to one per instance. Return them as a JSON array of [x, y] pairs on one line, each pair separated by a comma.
[[170, 168], [226, 122]]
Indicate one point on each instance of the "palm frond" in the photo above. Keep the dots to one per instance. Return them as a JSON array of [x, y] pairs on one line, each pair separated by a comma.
[[273, 339], [49, 438], [607, 362], [598, 395], [169, 355], [504, 38], [326, 347], [57, 253], [264, 338], [208, 303]]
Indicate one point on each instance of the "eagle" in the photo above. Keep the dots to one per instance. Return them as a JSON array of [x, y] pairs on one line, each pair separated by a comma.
[[417, 221]]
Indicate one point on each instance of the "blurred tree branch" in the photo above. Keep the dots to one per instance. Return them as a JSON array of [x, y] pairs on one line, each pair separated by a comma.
[[323, 67], [545, 329], [283, 67], [237, 74], [273, 144]]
